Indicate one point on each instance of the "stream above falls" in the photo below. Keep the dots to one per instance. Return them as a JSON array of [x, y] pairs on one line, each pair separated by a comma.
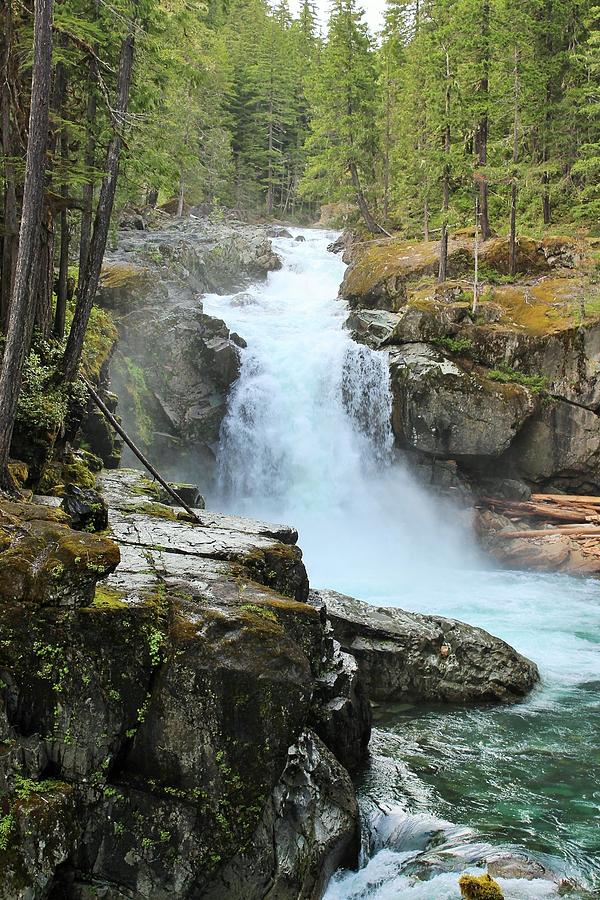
[[307, 441]]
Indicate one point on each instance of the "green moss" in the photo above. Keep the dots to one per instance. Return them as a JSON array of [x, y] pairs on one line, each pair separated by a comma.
[[479, 887], [100, 339], [262, 611], [108, 598], [138, 395], [156, 510], [506, 375]]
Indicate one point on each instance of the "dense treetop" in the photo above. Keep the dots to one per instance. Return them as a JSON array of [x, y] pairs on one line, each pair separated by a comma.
[[461, 112]]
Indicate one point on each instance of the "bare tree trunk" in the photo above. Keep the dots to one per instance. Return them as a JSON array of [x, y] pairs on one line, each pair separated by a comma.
[[45, 281], [181, 198], [23, 297], [443, 267], [482, 129], [270, 188], [425, 219], [370, 222], [476, 254], [91, 277], [512, 241], [11, 222], [62, 292], [88, 187], [546, 208]]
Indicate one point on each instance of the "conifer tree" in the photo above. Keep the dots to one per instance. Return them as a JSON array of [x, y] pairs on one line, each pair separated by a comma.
[[343, 143]]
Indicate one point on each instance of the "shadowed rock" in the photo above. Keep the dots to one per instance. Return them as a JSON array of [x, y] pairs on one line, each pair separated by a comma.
[[409, 657]]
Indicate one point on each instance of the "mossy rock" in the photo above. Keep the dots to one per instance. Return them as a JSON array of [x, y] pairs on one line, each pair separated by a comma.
[[479, 887], [57, 475], [19, 472], [44, 562]]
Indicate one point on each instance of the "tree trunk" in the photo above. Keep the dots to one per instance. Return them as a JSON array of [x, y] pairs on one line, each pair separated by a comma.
[[370, 222], [481, 131], [62, 292], [23, 297], [443, 267], [425, 219], [546, 209], [476, 254], [11, 222], [91, 277], [45, 280], [512, 240], [181, 198], [88, 187]]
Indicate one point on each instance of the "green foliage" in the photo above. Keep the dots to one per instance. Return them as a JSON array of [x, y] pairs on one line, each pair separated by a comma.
[[459, 346], [505, 375], [259, 611], [7, 823]]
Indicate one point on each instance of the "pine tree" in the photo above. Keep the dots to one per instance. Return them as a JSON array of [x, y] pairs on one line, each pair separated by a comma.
[[342, 145]]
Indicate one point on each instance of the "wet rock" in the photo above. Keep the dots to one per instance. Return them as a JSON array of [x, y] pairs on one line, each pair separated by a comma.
[[85, 508], [409, 657], [560, 446], [175, 708], [309, 829], [443, 410], [300, 239], [172, 400], [278, 231], [189, 493], [341, 713]]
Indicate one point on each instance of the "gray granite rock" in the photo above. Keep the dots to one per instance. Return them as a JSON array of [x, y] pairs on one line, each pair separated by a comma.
[[405, 656]]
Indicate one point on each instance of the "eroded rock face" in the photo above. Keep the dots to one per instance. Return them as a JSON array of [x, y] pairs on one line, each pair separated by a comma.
[[174, 364], [440, 409], [408, 657], [168, 716], [308, 830]]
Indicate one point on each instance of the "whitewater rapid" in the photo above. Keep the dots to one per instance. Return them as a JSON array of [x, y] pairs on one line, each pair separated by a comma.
[[307, 441]]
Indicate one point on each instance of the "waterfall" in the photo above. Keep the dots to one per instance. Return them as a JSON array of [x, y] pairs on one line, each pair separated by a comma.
[[307, 441], [307, 438]]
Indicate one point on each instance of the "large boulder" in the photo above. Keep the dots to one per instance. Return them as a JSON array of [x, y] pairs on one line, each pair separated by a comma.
[[172, 708], [442, 410], [409, 657]]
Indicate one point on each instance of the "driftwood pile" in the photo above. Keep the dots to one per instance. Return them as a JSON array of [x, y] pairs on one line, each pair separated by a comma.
[[570, 514]]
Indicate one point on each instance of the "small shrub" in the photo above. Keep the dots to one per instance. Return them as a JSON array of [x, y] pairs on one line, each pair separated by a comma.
[[459, 346], [506, 375]]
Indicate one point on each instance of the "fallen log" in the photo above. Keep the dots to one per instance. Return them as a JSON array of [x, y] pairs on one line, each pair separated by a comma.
[[582, 531], [575, 499], [538, 510], [145, 462]]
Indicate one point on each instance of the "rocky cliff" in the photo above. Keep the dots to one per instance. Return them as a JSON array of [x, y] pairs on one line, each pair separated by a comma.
[[174, 364], [176, 720], [498, 396]]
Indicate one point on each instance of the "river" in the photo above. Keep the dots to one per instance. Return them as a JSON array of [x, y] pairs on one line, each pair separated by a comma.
[[307, 441]]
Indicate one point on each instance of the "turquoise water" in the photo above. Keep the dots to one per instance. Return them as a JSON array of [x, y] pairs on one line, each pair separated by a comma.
[[307, 441]]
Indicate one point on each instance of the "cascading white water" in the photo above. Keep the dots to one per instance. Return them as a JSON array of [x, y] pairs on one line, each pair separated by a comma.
[[307, 438], [307, 441]]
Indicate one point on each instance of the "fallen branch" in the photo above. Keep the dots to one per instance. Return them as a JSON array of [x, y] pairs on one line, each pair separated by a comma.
[[551, 511], [567, 531], [569, 499], [148, 465]]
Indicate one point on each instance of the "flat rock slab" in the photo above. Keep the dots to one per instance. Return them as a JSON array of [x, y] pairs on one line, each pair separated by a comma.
[[408, 657]]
